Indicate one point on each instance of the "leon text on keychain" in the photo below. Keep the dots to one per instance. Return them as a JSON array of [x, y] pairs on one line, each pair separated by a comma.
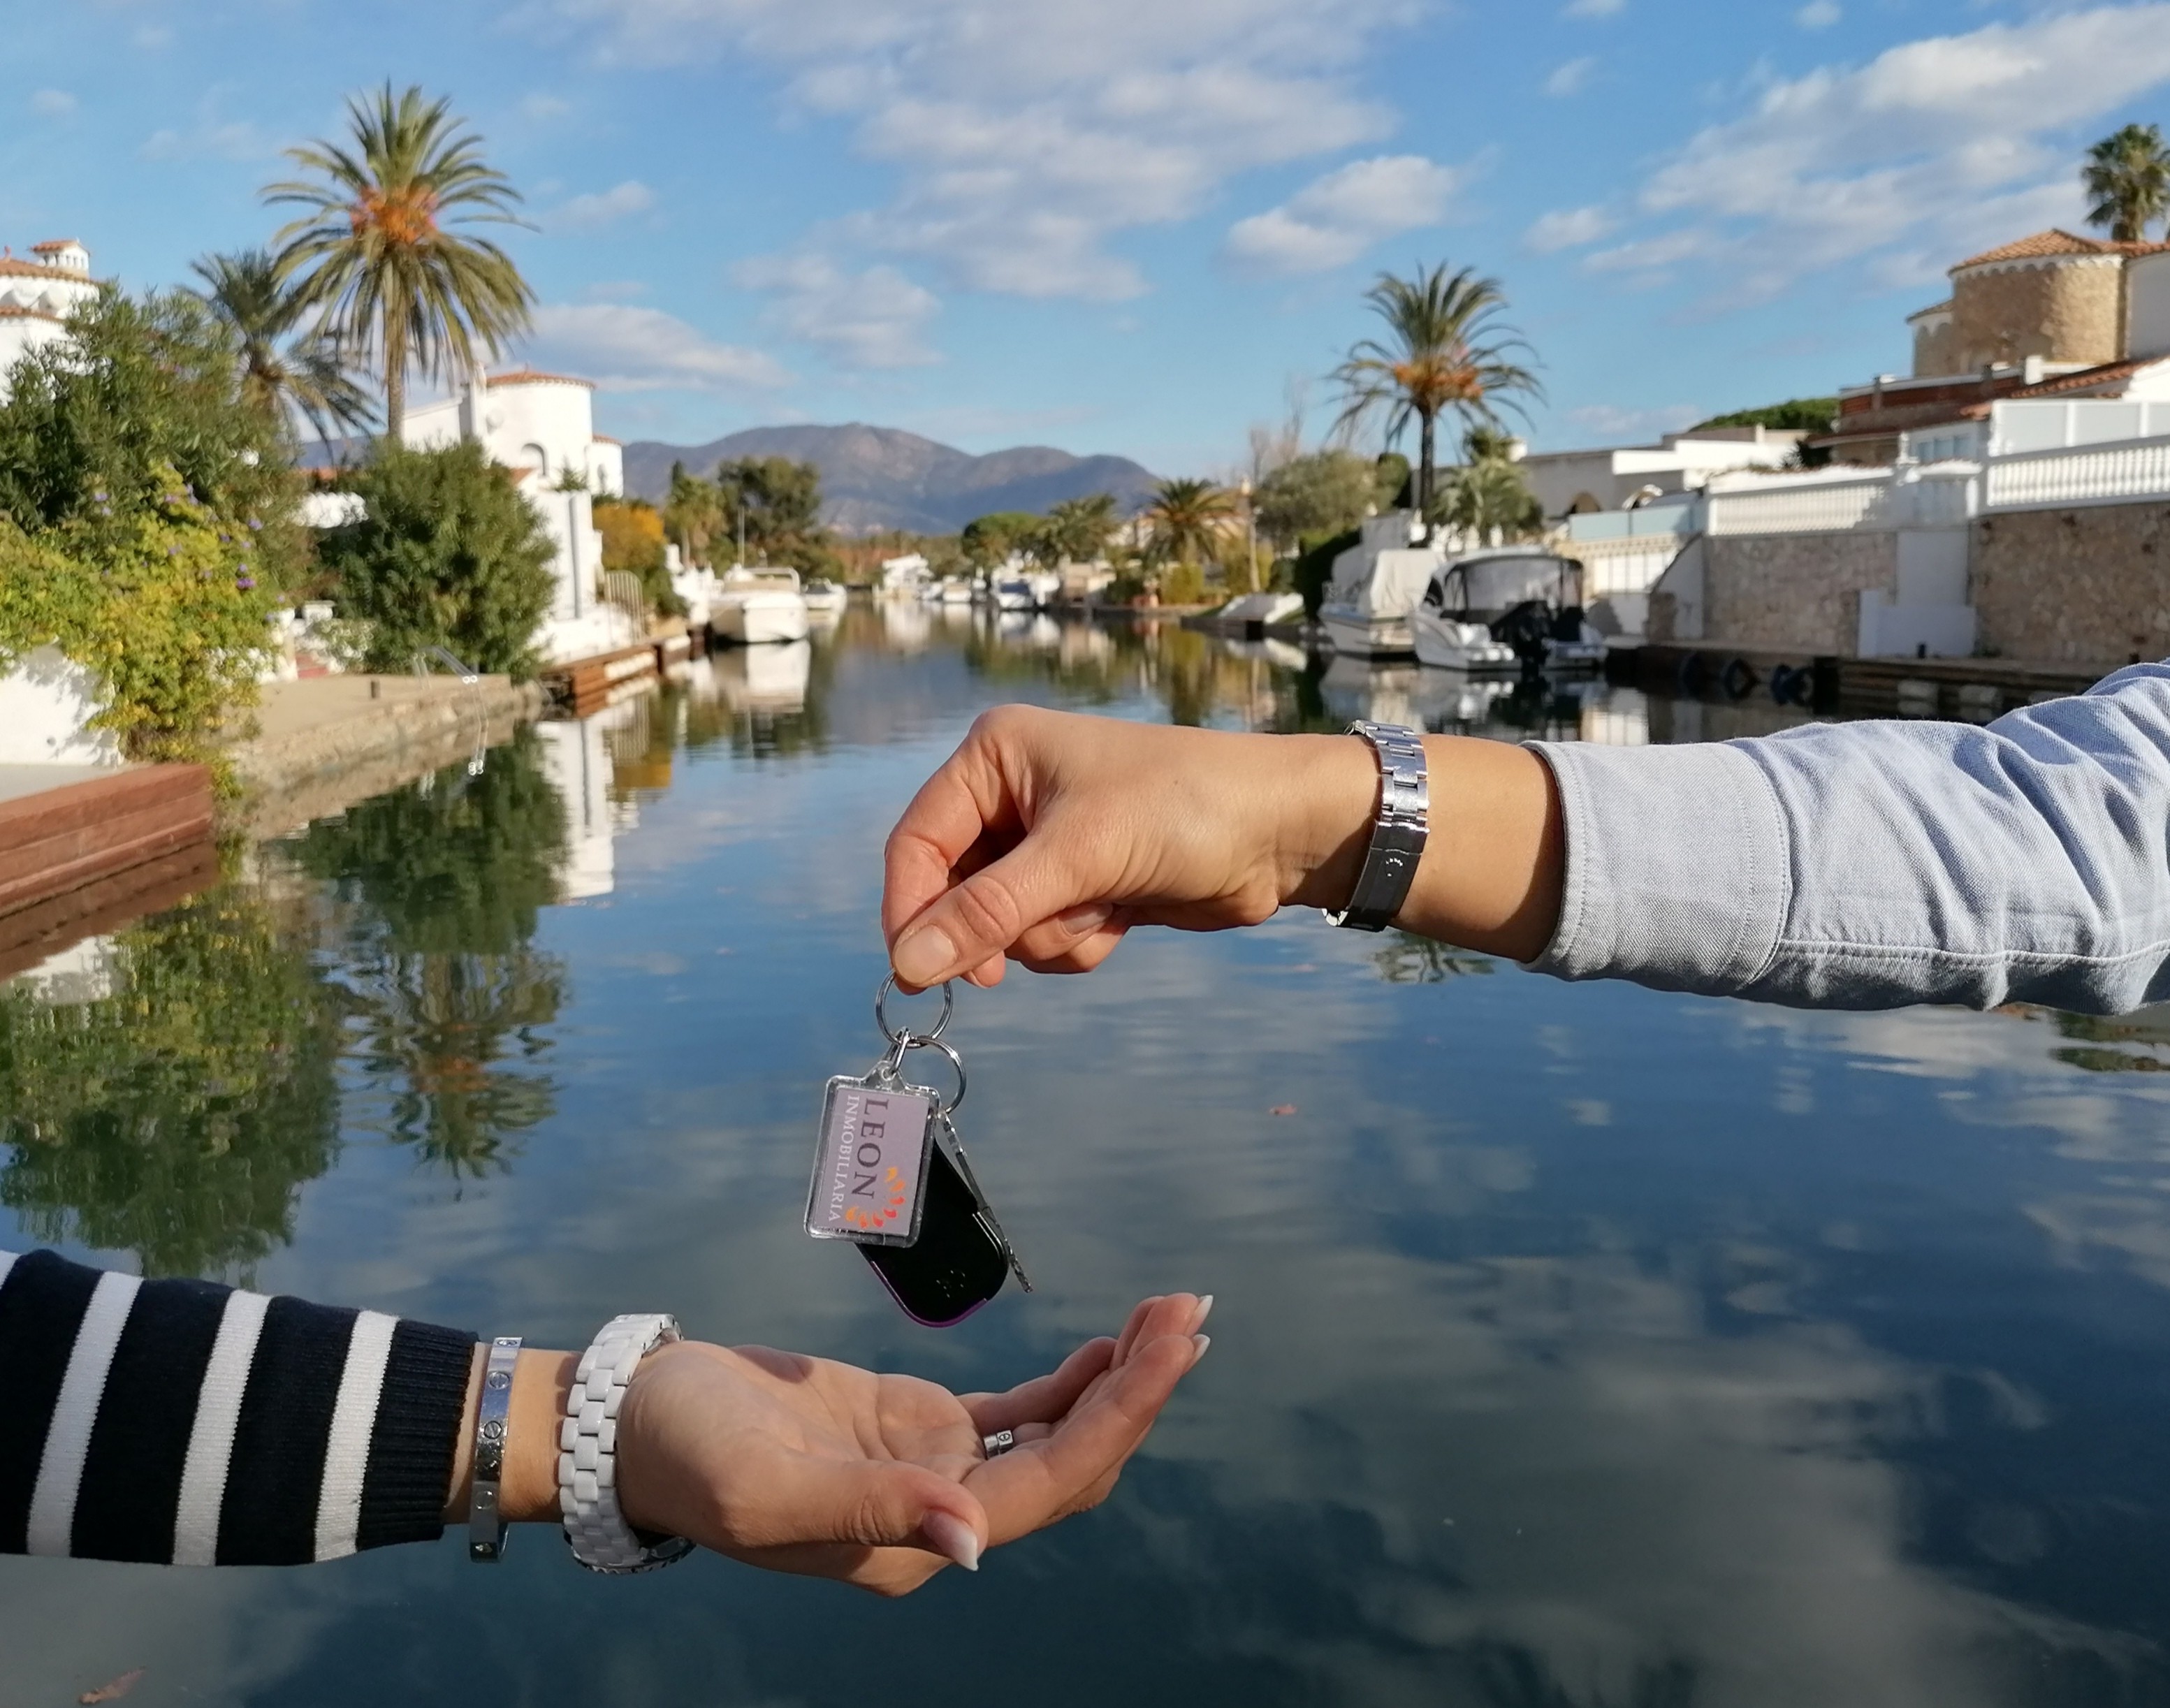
[[891, 1177]]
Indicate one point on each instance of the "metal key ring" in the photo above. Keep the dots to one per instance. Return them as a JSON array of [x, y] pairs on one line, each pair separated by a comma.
[[956, 1061], [889, 1031]]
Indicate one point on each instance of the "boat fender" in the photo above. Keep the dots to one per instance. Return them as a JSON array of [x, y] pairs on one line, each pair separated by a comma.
[[1782, 683], [1737, 679], [1690, 674]]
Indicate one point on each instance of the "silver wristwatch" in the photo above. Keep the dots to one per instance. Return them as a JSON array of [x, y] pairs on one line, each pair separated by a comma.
[[1398, 835]]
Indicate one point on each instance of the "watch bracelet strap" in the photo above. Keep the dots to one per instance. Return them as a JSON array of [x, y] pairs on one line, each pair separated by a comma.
[[595, 1526], [1399, 832], [486, 1525]]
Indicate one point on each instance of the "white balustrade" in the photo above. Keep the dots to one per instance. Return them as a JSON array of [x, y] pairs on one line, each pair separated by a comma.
[[2079, 475], [1803, 507]]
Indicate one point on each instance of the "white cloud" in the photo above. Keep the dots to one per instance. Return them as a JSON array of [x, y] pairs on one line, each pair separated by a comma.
[[1334, 219], [623, 348], [602, 207], [1897, 167], [541, 105], [1569, 229], [1025, 140], [52, 104], [1594, 8], [876, 318], [153, 37], [1819, 14], [1571, 78]]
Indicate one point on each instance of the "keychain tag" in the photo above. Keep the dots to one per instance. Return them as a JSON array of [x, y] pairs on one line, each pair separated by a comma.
[[870, 1171]]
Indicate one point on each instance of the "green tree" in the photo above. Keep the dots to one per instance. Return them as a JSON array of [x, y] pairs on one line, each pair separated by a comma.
[[178, 1117], [2127, 179], [1078, 530], [1445, 351], [780, 503], [695, 515], [1489, 497], [632, 528], [448, 553], [987, 541], [1320, 493], [1188, 519], [384, 248], [98, 427], [1813, 414], [283, 371]]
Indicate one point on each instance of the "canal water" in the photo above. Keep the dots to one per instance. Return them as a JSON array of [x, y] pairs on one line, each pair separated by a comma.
[[1575, 1345]]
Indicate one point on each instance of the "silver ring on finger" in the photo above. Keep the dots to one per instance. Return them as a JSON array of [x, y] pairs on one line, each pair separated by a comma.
[[996, 1445]]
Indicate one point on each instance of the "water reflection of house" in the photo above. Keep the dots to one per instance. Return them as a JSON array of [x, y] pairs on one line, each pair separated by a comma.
[[579, 761]]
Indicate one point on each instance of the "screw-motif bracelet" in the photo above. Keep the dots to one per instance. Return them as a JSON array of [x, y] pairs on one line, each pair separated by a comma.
[[492, 1418]]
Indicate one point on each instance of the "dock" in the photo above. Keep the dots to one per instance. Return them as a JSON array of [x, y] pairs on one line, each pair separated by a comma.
[[1969, 690]]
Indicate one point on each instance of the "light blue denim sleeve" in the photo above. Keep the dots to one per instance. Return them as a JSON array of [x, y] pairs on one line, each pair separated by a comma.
[[1873, 865]]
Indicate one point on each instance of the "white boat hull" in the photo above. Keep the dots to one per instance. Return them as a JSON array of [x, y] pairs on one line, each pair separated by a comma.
[[1449, 645], [1359, 634], [828, 599], [759, 619]]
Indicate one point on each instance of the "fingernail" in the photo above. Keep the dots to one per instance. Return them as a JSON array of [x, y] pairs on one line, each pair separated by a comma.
[[1201, 1341], [919, 956], [1205, 1310], [952, 1537], [1082, 921]]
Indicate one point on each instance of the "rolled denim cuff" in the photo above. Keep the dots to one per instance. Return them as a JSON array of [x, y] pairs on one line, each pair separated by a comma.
[[1678, 867]]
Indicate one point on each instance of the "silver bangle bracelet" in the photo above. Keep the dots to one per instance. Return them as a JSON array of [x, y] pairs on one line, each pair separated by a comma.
[[493, 1416], [1398, 833]]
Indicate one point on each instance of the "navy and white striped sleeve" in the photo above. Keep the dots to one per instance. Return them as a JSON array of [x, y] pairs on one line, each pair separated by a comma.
[[186, 1423]]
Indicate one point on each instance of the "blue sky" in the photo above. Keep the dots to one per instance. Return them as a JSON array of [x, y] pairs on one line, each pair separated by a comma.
[[1130, 225]]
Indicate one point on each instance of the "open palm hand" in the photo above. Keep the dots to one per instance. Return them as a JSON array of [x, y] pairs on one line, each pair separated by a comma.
[[802, 1465]]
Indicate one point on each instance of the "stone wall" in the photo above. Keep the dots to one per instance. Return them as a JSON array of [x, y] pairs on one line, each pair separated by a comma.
[[2070, 310], [1792, 592], [2089, 584]]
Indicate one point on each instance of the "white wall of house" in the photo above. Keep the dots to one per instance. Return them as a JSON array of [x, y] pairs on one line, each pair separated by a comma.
[[46, 703], [37, 293], [1567, 480]]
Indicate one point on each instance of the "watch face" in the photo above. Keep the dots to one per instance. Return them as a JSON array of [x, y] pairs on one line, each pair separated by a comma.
[[955, 1267]]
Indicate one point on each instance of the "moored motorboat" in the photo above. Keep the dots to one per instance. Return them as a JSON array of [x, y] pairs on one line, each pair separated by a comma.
[[758, 607], [1504, 609], [1014, 593], [1376, 586], [824, 596]]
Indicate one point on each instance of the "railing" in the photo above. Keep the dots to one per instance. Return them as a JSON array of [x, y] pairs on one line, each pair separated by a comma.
[[1651, 521], [2080, 475], [427, 659], [621, 588], [1938, 496]]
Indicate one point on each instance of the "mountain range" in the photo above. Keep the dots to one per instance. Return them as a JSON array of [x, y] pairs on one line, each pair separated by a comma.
[[880, 477]]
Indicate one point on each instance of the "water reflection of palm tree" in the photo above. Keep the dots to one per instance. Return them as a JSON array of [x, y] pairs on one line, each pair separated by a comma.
[[441, 886]]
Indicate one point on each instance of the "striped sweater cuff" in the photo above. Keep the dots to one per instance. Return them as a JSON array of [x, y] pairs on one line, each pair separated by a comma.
[[183, 1421]]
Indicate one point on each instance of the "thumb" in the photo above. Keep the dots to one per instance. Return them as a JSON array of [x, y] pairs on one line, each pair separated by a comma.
[[877, 1504], [982, 917]]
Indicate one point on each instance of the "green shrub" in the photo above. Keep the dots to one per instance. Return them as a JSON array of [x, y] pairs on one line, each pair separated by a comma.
[[1183, 584], [160, 604], [447, 553], [141, 399], [1313, 568]]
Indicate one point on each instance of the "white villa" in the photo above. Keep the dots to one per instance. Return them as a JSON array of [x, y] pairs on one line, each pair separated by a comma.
[[543, 427], [1571, 483], [36, 297]]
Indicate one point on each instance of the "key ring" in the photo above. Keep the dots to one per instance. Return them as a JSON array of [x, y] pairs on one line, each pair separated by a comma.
[[956, 1061], [908, 1037]]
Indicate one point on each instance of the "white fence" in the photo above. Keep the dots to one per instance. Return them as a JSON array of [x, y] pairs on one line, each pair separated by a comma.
[[1938, 496], [2089, 474]]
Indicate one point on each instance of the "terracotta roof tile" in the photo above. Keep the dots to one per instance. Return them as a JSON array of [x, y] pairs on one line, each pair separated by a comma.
[[605, 439], [2056, 242], [53, 243], [2085, 379], [10, 268], [10, 311], [532, 376]]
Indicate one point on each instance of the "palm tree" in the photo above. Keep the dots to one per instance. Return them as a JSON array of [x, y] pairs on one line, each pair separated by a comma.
[[379, 252], [1078, 528], [282, 372], [1446, 352], [2127, 175], [1187, 517]]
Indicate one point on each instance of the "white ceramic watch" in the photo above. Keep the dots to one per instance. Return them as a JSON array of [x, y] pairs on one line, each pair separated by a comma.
[[587, 1449]]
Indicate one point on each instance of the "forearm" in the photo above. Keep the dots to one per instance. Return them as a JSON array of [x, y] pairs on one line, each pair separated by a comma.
[[528, 1492], [1490, 878]]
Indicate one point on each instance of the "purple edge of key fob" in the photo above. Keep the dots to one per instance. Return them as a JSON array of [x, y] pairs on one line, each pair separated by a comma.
[[926, 1322]]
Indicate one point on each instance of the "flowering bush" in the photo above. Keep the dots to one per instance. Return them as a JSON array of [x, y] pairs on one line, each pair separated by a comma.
[[159, 603]]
